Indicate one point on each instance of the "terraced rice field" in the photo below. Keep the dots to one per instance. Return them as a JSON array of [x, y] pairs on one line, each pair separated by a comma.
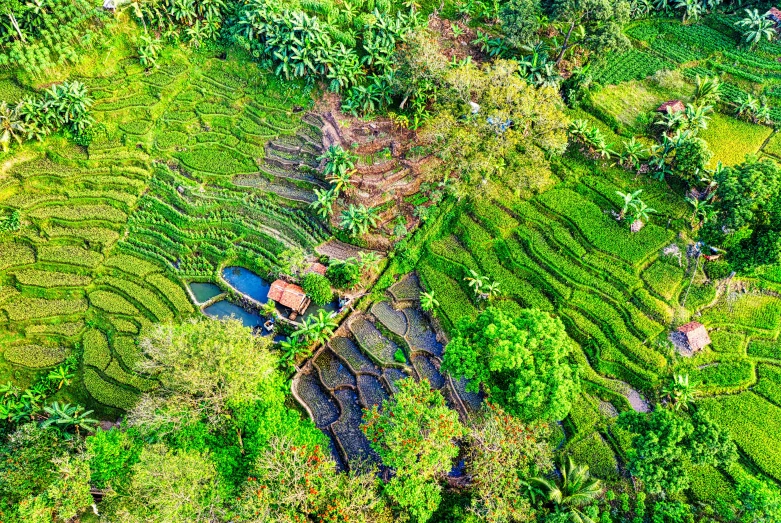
[[357, 369], [189, 171]]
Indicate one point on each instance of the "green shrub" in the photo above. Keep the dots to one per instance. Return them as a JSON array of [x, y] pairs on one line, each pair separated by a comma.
[[318, 288], [717, 269], [344, 275], [597, 454]]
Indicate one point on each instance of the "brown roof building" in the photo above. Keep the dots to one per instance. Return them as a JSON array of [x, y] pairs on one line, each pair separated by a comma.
[[290, 295], [316, 267], [696, 335], [672, 106]]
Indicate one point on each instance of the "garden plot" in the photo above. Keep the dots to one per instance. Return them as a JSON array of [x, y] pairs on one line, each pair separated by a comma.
[[358, 369], [731, 139]]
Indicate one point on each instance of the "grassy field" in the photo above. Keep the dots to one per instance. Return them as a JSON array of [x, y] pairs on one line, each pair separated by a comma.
[[176, 183]]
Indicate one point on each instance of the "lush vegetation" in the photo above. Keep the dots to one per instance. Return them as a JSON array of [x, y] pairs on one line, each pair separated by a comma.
[[499, 229]]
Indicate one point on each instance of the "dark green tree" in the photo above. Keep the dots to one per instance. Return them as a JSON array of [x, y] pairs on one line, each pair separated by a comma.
[[520, 21], [519, 360]]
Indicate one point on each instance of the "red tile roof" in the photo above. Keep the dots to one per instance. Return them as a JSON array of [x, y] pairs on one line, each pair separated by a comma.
[[774, 13], [288, 294]]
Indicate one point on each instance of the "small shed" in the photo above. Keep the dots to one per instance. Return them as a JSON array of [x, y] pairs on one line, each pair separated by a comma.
[[289, 295], [774, 15], [317, 268], [671, 106], [696, 335]]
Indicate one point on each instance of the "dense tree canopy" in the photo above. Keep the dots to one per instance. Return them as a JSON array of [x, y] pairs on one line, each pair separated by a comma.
[[519, 360], [414, 433], [663, 441]]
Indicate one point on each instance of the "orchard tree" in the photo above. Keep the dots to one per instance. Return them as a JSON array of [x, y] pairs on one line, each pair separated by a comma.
[[519, 360], [415, 434], [503, 455], [662, 441]]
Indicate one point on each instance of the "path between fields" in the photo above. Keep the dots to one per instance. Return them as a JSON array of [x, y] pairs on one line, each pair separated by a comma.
[[8, 164]]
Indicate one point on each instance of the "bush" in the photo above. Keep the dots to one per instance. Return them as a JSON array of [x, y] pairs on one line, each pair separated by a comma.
[[344, 275], [718, 269], [318, 288]]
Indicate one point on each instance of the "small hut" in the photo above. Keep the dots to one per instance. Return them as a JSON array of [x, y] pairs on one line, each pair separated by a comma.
[[289, 295], [696, 335], [671, 106], [317, 268], [774, 15]]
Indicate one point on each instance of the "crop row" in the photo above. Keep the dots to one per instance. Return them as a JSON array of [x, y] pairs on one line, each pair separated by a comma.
[[14, 254], [112, 303], [106, 392], [96, 349], [629, 65], [35, 356], [22, 308], [148, 299], [69, 255]]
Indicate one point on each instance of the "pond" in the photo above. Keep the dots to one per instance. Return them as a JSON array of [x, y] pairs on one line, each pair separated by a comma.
[[313, 308], [204, 292], [225, 309], [247, 283]]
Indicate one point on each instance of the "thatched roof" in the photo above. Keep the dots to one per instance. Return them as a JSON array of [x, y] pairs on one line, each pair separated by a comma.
[[696, 335], [289, 294], [671, 106]]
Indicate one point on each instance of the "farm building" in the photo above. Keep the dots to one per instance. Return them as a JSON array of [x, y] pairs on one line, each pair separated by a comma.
[[671, 106], [289, 295], [696, 335]]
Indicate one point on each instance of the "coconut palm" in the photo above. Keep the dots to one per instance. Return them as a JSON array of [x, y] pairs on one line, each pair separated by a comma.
[[575, 491], [323, 205], [630, 199], [681, 392], [66, 416], [707, 89], [11, 125], [757, 26], [428, 302]]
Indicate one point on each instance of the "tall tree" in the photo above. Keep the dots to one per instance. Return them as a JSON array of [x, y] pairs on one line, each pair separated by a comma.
[[520, 361], [415, 434]]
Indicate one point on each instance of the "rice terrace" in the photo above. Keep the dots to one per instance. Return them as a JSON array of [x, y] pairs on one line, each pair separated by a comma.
[[390, 260]]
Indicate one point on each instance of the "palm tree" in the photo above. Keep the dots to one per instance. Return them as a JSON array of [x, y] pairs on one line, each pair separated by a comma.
[[576, 490], [758, 27], [65, 416], [428, 302], [703, 211], [11, 125], [630, 199], [358, 219], [490, 290], [692, 9], [339, 166], [291, 348], [475, 281], [681, 392], [323, 205], [320, 328], [707, 89], [641, 213], [62, 375], [634, 151], [696, 117]]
